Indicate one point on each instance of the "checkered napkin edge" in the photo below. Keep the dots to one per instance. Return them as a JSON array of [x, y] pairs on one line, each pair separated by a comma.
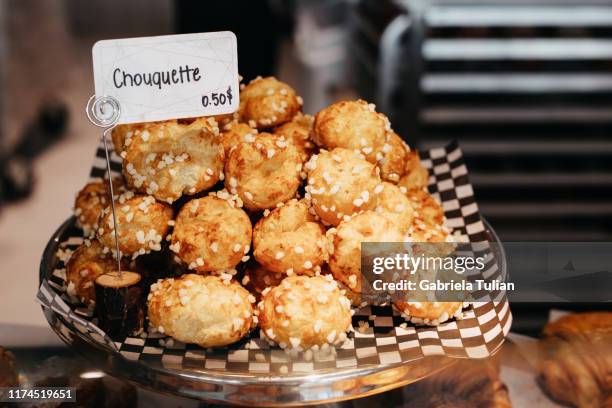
[[50, 296], [478, 334]]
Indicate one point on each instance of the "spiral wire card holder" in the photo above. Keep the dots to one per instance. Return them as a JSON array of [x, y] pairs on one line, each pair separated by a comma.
[[104, 112]]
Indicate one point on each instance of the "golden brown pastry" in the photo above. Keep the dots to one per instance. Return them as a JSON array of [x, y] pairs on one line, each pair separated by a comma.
[[268, 102], [428, 232], [415, 176], [263, 172], [122, 132], [211, 235], [431, 233], [360, 177], [352, 125], [204, 310], [235, 133], [345, 261], [170, 159], [225, 119], [289, 240], [428, 313], [354, 297], [575, 365], [86, 263], [395, 155], [395, 206], [341, 183], [92, 200], [465, 384], [428, 224], [143, 224], [299, 132], [426, 208], [305, 312]]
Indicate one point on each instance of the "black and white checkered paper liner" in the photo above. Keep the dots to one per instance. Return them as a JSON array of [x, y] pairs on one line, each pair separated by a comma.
[[479, 333]]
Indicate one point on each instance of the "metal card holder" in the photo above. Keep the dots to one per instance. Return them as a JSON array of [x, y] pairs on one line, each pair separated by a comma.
[[104, 112]]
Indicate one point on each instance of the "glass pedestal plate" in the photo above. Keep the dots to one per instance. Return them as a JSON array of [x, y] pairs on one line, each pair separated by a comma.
[[243, 387]]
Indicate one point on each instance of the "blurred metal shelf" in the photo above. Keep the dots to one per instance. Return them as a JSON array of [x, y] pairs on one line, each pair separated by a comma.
[[525, 86], [554, 179], [467, 15], [534, 147], [547, 210], [526, 114], [517, 49], [515, 82]]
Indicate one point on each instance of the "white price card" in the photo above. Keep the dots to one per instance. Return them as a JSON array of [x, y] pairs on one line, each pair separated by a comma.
[[169, 77]]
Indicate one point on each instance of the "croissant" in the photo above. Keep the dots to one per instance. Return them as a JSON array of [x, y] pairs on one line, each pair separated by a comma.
[[8, 371], [467, 384], [575, 366]]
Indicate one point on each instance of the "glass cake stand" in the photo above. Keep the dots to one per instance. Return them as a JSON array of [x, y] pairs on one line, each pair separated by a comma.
[[317, 387]]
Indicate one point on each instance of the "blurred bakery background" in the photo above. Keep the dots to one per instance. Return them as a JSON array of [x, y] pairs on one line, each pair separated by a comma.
[[524, 85]]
